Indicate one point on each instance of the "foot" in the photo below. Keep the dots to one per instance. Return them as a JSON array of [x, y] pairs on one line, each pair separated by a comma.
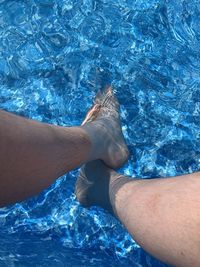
[[94, 184], [102, 124]]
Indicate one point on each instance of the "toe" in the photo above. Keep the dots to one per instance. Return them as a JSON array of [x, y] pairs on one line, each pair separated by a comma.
[[109, 103]]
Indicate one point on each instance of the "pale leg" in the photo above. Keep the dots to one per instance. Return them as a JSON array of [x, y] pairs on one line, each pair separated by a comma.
[[162, 215]]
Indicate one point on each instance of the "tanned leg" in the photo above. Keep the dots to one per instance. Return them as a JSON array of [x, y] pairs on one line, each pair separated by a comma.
[[33, 155]]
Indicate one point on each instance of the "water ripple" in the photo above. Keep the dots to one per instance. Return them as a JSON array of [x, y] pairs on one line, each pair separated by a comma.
[[54, 56]]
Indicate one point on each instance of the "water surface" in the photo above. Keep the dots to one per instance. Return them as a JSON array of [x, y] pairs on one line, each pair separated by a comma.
[[54, 57]]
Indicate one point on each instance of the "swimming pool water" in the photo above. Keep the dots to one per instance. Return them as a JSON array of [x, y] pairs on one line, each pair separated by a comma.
[[54, 56]]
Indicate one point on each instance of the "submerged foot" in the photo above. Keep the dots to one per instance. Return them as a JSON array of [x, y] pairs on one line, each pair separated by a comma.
[[97, 183], [94, 183], [102, 124]]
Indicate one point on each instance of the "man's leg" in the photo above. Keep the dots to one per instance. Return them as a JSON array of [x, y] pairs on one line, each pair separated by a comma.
[[33, 155], [162, 215]]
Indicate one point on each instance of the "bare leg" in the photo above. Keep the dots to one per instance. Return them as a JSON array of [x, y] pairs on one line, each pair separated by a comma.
[[162, 215], [33, 155]]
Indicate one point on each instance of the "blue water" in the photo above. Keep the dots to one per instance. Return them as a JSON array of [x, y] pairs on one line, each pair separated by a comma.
[[54, 56]]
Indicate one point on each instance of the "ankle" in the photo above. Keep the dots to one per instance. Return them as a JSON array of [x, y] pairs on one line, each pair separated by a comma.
[[117, 182], [97, 141]]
